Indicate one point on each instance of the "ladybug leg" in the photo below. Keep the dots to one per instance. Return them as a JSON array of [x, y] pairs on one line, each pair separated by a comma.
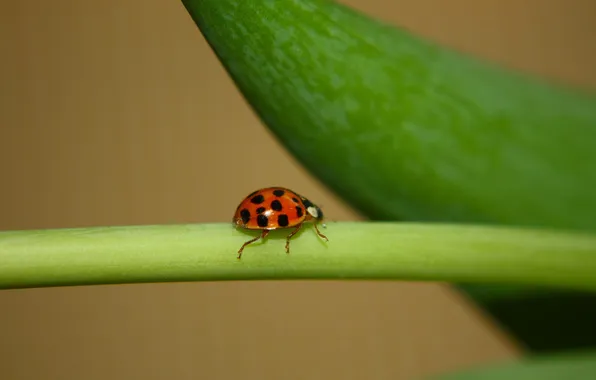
[[298, 227], [319, 232], [263, 235]]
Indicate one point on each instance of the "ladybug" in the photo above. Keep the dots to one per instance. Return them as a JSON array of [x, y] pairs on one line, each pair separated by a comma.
[[275, 208]]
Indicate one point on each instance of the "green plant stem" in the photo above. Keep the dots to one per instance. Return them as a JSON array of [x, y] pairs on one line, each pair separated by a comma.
[[357, 250]]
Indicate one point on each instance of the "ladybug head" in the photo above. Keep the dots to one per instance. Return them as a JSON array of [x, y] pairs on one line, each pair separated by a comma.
[[313, 210]]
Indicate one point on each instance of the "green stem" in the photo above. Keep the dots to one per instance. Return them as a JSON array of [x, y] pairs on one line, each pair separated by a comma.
[[358, 250]]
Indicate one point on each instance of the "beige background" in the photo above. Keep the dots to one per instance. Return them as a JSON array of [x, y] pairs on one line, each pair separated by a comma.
[[117, 112]]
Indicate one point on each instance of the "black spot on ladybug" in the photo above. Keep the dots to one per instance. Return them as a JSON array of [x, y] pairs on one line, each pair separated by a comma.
[[299, 211], [260, 210], [295, 200], [278, 193], [306, 203], [282, 220], [262, 220], [258, 199], [245, 215], [276, 205]]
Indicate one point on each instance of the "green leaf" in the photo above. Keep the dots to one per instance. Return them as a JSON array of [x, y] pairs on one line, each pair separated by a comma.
[[356, 250], [402, 128], [405, 129], [575, 366]]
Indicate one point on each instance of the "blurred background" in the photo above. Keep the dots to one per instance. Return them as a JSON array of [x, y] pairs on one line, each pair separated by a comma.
[[118, 113]]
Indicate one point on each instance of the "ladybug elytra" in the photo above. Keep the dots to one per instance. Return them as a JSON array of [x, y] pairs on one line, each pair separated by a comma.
[[275, 208]]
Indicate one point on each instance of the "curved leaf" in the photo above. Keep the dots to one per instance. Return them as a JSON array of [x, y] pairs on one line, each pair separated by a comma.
[[403, 128]]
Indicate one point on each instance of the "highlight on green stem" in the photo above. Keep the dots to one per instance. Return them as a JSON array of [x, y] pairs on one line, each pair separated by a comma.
[[356, 250]]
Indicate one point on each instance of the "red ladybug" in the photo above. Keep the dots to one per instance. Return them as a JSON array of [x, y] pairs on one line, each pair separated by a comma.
[[275, 208]]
